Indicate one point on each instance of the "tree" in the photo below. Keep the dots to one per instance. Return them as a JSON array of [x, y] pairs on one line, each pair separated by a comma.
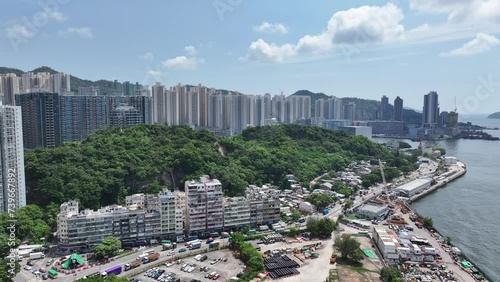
[[295, 214], [448, 240], [390, 274], [428, 221], [348, 204], [153, 188], [108, 248], [321, 201], [348, 247], [9, 267], [321, 227]]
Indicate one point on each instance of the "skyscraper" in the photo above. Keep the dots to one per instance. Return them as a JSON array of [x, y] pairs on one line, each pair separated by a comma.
[[384, 108], [430, 114], [41, 119], [159, 103], [9, 88], [398, 109], [141, 104], [13, 193], [350, 111], [82, 115], [330, 108]]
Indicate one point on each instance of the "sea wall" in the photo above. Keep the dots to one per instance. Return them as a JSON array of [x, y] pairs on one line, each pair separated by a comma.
[[438, 185]]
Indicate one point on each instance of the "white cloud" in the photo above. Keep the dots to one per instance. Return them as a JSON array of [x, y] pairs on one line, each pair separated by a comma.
[[155, 73], [28, 30], [190, 50], [357, 26], [147, 56], [17, 31], [461, 10], [79, 31], [183, 62], [54, 15], [270, 27], [482, 43]]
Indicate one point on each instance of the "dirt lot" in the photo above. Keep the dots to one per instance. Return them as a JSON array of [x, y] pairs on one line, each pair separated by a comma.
[[313, 270], [226, 269]]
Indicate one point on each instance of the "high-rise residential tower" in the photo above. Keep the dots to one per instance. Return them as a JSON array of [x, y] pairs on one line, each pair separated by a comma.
[[430, 116], [41, 119], [9, 88], [384, 108], [398, 109], [13, 189]]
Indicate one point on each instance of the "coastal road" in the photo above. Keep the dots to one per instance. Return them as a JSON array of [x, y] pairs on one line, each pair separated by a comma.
[[24, 275], [446, 258]]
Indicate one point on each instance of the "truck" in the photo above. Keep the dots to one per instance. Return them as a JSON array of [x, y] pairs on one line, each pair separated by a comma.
[[326, 211], [224, 235], [132, 264], [117, 269], [214, 244], [151, 257], [167, 246], [194, 246], [38, 255], [188, 244], [263, 228]]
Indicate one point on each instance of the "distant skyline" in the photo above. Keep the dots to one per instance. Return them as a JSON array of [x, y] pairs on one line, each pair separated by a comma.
[[366, 49]]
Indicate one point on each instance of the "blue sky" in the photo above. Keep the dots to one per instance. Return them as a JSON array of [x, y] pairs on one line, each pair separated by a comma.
[[365, 49]]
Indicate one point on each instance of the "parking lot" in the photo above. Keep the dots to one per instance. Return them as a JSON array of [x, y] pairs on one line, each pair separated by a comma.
[[221, 262]]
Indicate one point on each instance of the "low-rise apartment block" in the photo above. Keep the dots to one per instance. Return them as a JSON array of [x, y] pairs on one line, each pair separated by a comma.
[[77, 228]]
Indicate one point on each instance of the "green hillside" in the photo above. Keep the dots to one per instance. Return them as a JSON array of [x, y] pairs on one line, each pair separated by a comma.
[[113, 163]]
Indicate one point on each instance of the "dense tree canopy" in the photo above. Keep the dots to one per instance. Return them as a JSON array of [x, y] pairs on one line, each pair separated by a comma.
[[108, 248], [348, 247], [390, 274], [322, 228], [321, 201], [113, 163]]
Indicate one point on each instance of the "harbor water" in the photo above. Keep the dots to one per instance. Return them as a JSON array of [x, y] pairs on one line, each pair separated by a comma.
[[467, 209]]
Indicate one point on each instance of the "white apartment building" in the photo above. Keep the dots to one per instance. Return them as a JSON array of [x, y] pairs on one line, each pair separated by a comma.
[[172, 212], [236, 213], [80, 229], [12, 180], [204, 205]]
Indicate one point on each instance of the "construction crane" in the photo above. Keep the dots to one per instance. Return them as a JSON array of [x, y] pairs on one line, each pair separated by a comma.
[[385, 184]]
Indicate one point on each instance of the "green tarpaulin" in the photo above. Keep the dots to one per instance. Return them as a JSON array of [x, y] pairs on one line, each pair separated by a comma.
[[465, 264], [73, 259]]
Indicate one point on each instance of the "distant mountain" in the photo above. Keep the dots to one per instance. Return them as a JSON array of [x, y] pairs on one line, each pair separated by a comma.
[[409, 115], [107, 87], [495, 115]]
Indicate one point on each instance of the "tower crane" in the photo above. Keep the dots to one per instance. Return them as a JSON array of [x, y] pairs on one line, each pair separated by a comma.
[[385, 184]]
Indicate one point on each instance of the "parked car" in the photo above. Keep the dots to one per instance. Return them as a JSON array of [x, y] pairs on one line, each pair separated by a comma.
[[214, 261]]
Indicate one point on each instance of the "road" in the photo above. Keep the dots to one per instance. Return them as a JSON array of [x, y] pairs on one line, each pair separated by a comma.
[[25, 275], [446, 258]]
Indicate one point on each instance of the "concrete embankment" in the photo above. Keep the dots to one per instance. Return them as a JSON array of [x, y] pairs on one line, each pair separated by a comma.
[[461, 170]]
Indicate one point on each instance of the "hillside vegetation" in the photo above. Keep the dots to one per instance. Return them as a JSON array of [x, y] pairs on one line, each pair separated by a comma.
[[113, 163]]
